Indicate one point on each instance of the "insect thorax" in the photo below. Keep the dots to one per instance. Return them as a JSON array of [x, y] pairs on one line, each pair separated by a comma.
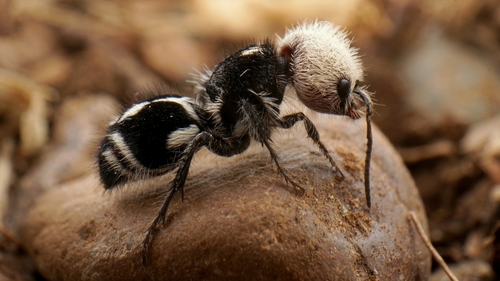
[[245, 90]]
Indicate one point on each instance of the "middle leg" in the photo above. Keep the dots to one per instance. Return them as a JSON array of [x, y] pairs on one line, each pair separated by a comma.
[[261, 132]]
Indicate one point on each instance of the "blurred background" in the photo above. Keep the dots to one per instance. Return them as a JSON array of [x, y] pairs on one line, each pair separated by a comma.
[[434, 67]]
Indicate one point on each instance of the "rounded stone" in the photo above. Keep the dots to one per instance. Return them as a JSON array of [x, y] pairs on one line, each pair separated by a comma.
[[239, 220]]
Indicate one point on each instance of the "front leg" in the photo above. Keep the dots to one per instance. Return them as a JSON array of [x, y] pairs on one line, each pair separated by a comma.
[[288, 121]]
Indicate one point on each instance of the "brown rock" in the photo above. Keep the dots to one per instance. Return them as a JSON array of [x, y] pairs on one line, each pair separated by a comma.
[[239, 221]]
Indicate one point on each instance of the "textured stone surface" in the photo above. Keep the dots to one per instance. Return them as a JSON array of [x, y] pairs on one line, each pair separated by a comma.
[[239, 221]]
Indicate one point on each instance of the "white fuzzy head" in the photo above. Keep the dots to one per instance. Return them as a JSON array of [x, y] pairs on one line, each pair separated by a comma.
[[320, 57]]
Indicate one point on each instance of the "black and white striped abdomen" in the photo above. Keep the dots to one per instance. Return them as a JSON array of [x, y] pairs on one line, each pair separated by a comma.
[[147, 140]]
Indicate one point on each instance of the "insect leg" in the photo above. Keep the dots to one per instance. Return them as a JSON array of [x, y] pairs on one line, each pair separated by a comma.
[[196, 144], [288, 121], [263, 136], [298, 189]]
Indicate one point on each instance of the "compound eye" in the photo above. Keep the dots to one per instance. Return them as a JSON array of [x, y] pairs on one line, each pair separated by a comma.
[[344, 88]]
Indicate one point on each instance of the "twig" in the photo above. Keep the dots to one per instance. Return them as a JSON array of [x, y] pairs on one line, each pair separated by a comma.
[[7, 234], [431, 248]]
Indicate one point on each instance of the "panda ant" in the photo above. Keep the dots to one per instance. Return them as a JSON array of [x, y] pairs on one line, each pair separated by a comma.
[[238, 102]]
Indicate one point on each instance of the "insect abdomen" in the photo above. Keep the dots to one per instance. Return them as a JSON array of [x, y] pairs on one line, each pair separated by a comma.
[[147, 140]]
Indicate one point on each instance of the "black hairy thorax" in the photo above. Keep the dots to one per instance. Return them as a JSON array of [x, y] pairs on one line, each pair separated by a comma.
[[252, 79]]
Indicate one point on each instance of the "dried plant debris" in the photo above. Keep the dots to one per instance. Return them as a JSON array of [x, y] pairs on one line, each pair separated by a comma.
[[482, 142], [26, 103], [71, 152], [472, 270], [7, 175]]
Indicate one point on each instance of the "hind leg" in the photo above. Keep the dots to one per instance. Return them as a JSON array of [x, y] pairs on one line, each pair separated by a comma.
[[177, 185]]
